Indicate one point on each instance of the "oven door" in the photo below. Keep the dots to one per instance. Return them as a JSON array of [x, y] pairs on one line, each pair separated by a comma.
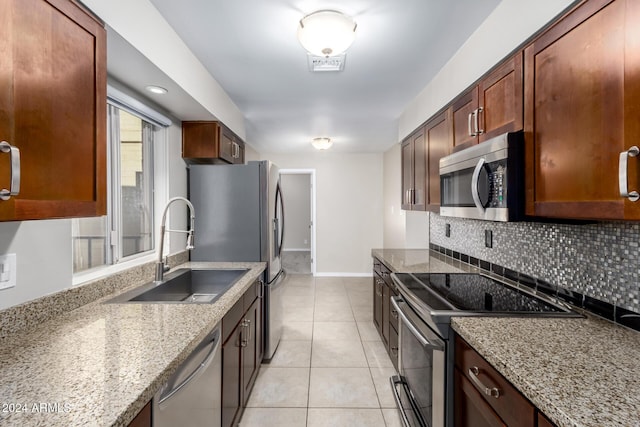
[[419, 389]]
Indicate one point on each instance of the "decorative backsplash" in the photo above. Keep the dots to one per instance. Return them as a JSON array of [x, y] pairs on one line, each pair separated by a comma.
[[597, 260]]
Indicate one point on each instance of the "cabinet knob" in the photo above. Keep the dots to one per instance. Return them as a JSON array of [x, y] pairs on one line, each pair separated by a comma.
[[14, 152]]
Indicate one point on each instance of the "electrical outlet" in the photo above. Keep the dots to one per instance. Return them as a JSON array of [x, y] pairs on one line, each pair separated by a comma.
[[488, 238], [447, 230], [7, 271]]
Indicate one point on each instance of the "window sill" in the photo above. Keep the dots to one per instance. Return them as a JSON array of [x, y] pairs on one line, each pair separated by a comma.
[[102, 272]]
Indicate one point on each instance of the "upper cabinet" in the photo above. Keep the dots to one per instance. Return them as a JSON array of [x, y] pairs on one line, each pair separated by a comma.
[[414, 171], [439, 141], [492, 107], [210, 142], [52, 110], [582, 114]]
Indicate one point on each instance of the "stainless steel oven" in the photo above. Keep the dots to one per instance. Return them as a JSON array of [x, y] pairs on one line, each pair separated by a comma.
[[420, 387], [485, 181]]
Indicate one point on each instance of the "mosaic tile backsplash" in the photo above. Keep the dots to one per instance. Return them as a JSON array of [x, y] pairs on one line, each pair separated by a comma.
[[600, 260]]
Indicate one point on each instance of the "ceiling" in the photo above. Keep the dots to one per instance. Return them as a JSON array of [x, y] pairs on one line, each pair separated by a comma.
[[250, 48]]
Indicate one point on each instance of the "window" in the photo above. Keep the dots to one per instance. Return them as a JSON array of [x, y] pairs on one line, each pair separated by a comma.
[[127, 229]]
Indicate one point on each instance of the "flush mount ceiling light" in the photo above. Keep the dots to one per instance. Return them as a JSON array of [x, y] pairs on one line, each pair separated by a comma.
[[326, 32], [321, 143], [156, 89]]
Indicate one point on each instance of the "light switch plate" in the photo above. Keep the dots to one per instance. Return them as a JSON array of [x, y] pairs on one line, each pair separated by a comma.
[[7, 271]]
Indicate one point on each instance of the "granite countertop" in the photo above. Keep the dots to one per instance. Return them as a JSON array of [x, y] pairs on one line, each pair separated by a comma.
[[578, 372], [420, 261], [99, 364]]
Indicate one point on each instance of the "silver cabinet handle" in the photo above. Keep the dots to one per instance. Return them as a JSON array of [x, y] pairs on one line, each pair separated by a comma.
[[473, 376], [469, 124], [394, 314], [476, 113], [14, 189], [475, 191], [623, 175], [249, 328]]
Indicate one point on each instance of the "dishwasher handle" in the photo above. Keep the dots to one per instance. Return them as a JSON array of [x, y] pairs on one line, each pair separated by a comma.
[[215, 345]]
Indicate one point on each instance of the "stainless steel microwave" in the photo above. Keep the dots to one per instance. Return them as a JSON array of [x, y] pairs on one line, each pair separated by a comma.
[[485, 181]]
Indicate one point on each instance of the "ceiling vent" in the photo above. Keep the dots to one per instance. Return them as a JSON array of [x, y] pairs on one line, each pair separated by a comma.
[[321, 64]]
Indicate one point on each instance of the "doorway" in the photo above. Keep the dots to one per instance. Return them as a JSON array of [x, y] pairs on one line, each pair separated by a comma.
[[299, 247]]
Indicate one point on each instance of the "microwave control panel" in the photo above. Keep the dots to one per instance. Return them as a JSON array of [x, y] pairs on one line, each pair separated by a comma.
[[498, 184]]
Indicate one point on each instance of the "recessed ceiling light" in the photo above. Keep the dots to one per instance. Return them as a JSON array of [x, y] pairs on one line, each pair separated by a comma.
[[156, 89], [322, 143]]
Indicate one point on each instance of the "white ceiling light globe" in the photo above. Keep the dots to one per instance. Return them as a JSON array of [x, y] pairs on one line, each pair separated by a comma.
[[326, 32]]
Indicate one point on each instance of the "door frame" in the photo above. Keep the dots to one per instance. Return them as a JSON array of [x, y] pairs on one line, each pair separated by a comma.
[[312, 175]]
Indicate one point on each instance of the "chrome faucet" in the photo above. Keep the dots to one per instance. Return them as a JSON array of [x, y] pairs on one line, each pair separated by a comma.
[[162, 266]]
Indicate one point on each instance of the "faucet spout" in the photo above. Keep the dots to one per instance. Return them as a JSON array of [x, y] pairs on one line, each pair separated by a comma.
[[160, 264]]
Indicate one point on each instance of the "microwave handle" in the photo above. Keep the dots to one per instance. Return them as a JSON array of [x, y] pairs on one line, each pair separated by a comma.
[[475, 190]]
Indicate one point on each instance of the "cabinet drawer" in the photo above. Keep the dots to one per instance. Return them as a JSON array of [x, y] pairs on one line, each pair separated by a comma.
[[251, 294], [511, 406], [231, 319]]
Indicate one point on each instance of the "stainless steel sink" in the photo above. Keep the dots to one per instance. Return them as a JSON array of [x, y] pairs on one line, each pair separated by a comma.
[[186, 285]]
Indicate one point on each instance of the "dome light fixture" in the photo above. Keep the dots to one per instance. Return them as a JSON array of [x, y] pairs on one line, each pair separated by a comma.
[[326, 32], [321, 143]]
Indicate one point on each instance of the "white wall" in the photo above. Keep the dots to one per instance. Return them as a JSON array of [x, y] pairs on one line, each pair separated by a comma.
[[508, 26], [142, 25], [393, 215], [250, 154], [348, 207], [296, 192]]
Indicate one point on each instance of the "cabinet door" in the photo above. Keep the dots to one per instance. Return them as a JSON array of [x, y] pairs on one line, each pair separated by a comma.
[[393, 347], [544, 421], [419, 194], [439, 144], [53, 108], [463, 108], [231, 377], [582, 90], [250, 351], [501, 99], [226, 144], [385, 312], [407, 173], [470, 409], [377, 302]]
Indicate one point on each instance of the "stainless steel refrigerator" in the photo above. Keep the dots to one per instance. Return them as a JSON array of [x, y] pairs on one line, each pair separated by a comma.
[[240, 217]]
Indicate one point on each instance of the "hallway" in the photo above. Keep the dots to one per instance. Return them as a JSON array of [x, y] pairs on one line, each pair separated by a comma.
[[331, 368]]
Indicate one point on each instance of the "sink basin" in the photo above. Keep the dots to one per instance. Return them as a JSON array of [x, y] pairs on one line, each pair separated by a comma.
[[186, 285]]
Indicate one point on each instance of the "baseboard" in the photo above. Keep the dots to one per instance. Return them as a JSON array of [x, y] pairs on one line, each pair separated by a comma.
[[344, 274]]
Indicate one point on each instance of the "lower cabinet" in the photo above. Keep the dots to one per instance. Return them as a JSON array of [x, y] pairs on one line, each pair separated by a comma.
[[385, 318], [242, 351], [483, 397], [143, 419]]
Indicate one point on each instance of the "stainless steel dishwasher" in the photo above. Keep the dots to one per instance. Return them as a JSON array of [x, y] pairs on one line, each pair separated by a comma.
[[193, 395]]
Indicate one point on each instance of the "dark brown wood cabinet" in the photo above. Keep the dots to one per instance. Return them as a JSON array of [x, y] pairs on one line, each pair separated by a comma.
[[414, 171], [492, 107], [53, 109], [582, 103], [242, 352], [143, 419], [439, 140], [206, 142], [385, 318], [483, 397]]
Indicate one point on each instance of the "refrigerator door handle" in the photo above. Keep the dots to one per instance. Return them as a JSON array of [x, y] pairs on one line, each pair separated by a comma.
[[279, 222]]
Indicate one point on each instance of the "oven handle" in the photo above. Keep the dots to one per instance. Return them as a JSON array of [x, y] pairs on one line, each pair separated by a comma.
[[409, 324], [475, 191]]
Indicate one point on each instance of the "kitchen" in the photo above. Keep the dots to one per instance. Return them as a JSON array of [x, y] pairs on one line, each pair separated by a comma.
[[365, 197]]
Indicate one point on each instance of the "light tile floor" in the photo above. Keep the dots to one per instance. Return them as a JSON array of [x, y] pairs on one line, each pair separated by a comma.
[[330, 369]]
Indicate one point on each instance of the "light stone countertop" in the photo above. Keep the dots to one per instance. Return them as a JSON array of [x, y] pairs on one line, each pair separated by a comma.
[[578, 372], [420, 261], [99, 364]]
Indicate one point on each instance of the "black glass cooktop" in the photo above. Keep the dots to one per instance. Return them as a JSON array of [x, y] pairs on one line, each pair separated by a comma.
[[472, 292]]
